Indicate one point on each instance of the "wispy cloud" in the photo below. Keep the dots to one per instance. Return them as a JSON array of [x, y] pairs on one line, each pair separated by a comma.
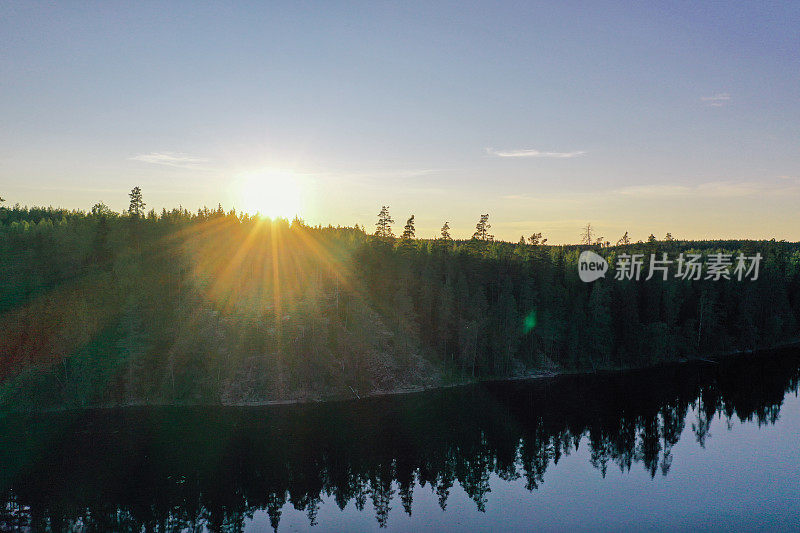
[[718, 100], [171, 159], [531, 152]]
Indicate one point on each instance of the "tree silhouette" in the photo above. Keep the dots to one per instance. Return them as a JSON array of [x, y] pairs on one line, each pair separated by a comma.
[[136, 208], [624, 240], [385, 220], [536, 239], [482, 229], [587, 236], [446, 232], [101, 210], [408, 230]]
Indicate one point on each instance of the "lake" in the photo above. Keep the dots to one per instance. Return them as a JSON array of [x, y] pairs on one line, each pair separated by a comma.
[[698, 446]]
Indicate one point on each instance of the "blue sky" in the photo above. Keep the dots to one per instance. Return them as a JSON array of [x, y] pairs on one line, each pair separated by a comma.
[[547, 116]]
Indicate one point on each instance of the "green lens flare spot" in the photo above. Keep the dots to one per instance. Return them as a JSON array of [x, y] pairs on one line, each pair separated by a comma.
[[529, 322]]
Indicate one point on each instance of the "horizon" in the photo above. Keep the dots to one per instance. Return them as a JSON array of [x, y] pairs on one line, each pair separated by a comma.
[[634, 238], [680, 120]]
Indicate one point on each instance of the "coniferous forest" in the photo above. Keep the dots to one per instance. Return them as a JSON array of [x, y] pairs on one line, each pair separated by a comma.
[[179, 307]]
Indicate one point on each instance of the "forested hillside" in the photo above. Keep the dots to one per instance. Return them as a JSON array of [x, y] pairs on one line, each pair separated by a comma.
[[100, 308]]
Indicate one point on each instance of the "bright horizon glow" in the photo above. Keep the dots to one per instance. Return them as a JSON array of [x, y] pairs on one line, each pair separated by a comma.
[[273, 194]]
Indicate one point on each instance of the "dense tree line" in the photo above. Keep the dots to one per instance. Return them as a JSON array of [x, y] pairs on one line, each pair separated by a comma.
[[216, 306], [214, 467], [486, 309]]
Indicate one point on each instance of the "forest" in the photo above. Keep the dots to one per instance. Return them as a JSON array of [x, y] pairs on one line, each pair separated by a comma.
[[210, 307]]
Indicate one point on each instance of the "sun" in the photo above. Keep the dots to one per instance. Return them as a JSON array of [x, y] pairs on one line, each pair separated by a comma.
[[270, 194]]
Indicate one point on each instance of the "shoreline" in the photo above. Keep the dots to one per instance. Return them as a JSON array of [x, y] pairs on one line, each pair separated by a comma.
[[529, 376]]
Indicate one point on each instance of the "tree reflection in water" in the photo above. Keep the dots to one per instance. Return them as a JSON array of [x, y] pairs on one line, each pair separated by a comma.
[[170, 469]]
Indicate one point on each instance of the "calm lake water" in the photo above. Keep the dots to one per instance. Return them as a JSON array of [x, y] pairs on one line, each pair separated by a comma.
[[695, 447]]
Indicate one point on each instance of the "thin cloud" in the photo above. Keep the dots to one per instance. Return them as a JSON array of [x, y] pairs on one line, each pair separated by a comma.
[[531, 152], [171, 159], [718, 100]]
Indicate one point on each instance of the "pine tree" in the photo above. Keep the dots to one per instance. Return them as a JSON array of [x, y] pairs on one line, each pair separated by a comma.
[[482, 229], [446, 232], [521, 241], [536, 239], [385, 220], [408, 231], [136, 208]]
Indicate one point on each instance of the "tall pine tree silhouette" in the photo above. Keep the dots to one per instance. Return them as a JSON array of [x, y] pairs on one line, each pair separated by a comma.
[[384, 228]]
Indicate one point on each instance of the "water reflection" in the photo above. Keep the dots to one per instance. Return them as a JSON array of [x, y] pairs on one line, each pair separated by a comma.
[[170, 469]]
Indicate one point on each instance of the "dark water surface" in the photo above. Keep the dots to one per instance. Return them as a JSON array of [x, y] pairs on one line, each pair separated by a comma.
[[694, 447]]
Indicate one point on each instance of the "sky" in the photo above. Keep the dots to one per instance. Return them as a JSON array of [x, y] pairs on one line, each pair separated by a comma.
[[680, 117]]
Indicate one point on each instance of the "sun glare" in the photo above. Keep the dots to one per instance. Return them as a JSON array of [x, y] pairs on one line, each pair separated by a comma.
[[271, 194]]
